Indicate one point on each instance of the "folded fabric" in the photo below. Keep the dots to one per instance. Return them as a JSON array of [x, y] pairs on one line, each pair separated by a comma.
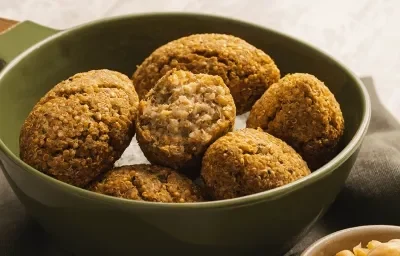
[[371, 194]]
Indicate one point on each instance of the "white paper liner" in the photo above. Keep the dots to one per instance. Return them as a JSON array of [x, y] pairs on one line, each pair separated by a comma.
[[134, 155]]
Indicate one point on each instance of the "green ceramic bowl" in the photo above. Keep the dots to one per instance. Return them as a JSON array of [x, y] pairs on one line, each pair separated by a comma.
[[85, 222]]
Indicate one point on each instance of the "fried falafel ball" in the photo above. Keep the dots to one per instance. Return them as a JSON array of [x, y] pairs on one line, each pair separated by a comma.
[[147, 182], [81, 126], [181, 116], [249, 161], [302, 111], [246, 70]]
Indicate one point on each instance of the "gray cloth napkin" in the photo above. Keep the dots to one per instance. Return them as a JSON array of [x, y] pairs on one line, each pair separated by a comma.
[[371, 194]]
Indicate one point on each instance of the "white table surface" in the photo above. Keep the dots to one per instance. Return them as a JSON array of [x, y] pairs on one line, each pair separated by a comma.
[[364, 34]]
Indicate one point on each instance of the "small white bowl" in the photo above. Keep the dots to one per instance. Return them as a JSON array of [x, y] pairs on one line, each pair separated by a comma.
[[348, 238]]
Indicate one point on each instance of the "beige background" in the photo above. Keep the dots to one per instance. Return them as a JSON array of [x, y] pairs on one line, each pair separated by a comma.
[[364, 34]]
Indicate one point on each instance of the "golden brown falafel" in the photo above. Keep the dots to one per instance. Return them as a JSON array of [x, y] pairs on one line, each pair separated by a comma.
[[249, 161], [246, 70], [301, 110], [81, 126], [147, 182], [181, 116]]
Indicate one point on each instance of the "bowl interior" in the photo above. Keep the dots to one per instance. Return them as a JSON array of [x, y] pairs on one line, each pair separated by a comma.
[[122, 43], [349, 238]]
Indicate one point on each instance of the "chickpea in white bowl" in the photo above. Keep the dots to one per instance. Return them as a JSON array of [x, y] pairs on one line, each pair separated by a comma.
[[374, 248], [372, 240]]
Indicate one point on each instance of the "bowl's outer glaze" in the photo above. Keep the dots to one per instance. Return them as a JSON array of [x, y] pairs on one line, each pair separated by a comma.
[[86, 222], [347, 239]]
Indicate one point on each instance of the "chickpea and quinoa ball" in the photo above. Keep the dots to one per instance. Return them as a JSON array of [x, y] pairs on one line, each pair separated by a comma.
[[81, 126], [249, 161], [246, 70], [181, 116], [145, 182], [303, 112]]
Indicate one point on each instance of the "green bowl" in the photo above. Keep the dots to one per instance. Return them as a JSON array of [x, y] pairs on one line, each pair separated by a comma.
[[84, 222]]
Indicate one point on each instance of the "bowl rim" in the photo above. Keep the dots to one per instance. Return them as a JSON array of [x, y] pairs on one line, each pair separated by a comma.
[[323, 171], [343, 232]]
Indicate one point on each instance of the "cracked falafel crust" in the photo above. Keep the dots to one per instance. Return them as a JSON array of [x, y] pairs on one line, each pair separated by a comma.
[[249, 161], [147, 182], [181, 116], [302, 111], [81, 126], [246, 70]]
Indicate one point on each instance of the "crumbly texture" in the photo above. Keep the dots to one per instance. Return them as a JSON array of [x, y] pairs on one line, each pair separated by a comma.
[[148, 183], [181, 116], [302, 111], [81, 126], [246, 70], [249, 161]]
